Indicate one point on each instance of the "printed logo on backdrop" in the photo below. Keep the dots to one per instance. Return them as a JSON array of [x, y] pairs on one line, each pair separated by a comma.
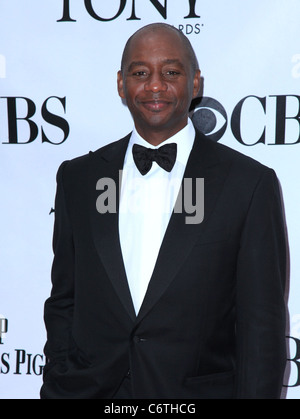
[[20, 127], [271, 120], [3, 328], [133, 11], [293, 361], [18, 361]]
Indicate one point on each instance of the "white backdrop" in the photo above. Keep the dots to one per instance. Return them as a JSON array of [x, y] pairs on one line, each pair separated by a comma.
[[58, 100]]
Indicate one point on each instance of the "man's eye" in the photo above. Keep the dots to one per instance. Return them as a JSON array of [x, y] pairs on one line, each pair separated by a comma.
[[172, 73], [140, 73]]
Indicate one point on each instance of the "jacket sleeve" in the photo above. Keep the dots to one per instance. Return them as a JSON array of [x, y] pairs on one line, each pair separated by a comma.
[[261, 274], [58, 312]]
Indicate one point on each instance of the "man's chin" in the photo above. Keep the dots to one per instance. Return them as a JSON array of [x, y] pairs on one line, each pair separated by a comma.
[[159, 121]]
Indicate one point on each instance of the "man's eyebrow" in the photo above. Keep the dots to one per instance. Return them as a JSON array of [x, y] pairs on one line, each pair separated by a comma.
[[174, 61], [136, 64], [168, 61]]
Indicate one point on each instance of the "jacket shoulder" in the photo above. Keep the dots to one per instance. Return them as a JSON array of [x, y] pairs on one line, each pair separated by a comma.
[[80, 165], [239, 162]]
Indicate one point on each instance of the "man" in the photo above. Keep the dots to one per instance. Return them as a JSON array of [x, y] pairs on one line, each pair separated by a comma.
[[148, 302]]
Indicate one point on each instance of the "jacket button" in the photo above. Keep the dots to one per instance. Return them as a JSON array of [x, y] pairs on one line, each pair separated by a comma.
[[137, 339]]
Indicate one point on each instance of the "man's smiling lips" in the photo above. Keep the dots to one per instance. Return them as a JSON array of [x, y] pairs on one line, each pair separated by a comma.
[[155, 105]]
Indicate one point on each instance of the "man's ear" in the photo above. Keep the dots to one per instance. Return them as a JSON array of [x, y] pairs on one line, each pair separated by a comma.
[[121, 85], [197, 84]]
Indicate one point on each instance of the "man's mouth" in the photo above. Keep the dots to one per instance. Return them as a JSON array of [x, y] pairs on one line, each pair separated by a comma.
[[156, 105]]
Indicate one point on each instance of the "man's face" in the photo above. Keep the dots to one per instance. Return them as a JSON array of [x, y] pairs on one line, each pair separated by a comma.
[[157, 83]]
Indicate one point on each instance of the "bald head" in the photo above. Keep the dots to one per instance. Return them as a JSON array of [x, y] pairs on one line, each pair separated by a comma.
[[161, 28]]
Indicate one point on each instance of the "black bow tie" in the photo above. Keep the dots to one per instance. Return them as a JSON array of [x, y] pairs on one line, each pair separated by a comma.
[[164, 156]]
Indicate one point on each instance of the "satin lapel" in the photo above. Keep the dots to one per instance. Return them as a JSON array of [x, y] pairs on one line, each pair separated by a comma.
[[107, 164], [181, 237]]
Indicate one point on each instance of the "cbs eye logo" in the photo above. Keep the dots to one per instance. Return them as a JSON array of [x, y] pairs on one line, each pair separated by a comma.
[[209, 117], [271, 120]]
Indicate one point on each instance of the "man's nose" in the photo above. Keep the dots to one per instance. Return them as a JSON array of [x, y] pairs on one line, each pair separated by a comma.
[[156, 84]]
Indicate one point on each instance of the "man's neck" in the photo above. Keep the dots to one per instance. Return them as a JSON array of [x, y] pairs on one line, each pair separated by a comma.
[[157, 137]]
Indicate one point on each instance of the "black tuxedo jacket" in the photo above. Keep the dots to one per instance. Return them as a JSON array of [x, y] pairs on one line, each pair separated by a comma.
[[212, 324]]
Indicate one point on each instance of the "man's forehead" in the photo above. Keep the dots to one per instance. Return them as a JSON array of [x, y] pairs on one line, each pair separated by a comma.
[[163, 44], [159, 33], [158, 40]]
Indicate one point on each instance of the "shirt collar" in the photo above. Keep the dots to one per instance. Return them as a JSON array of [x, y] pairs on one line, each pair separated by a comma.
[[184, 140]]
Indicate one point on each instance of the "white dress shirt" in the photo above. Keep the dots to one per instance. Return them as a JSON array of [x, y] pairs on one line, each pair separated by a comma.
[[146, 206]]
